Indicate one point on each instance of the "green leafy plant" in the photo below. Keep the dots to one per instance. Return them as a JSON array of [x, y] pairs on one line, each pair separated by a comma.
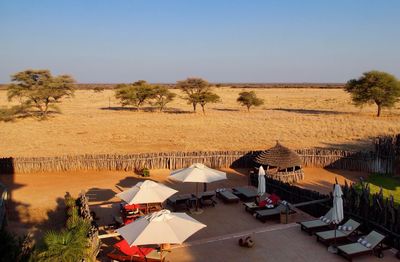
[[39, 89], [377, 87], [249, 99]]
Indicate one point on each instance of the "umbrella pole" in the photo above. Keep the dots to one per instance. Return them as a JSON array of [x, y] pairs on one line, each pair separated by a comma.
[[197, 196]]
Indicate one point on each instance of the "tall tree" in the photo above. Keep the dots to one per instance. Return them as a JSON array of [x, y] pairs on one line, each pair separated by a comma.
[[135, 94], [39, 89], [162, 96], [249, 99], [193, 87], [377, 87], [207, 97]]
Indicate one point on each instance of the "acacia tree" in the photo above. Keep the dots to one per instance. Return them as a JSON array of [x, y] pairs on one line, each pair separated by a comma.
[[207, 98], [193, 87], [39, 89], [162, 96], [377, 87], [249, 99], [135, 94]]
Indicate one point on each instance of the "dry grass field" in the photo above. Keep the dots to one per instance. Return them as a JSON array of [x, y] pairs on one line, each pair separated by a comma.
[[300, 118]]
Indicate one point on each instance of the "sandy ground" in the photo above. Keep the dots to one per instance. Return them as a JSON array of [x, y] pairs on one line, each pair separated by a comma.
[[299, 118]]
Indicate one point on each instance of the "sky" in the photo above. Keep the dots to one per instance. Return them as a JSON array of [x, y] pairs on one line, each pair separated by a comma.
[[118, 41]]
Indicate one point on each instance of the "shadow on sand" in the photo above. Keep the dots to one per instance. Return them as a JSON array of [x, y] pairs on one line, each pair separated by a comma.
[[309, 111]]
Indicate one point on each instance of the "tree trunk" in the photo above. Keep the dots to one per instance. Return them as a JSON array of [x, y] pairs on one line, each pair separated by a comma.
[[379, 110], [194, 107], [202, 107], [248, 108]]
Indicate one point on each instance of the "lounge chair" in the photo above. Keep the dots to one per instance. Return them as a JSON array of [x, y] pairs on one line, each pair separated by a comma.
[[315, 225], [264, 214], [124, 253], [227, 196], [376, 246], [328, 237], [245, 193]]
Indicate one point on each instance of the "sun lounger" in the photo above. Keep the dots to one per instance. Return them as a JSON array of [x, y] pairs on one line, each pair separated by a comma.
[[179, 201], [264, 214], [315, 225], [123, 252], [375, 246], [252, 207], [327, 237], [245, 193], [227, 196]]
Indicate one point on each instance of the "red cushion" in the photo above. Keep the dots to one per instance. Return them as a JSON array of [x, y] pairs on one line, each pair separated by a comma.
[[274, 198], [262, 203], [131, 207], [133, 250]]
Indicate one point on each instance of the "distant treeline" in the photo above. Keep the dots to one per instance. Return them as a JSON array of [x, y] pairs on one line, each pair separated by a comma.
[[231, 85]]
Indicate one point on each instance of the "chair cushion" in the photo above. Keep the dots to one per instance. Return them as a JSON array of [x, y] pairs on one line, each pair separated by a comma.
[[133, 250]]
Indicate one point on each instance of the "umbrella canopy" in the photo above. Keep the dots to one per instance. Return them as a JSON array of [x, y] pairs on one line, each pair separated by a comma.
[[198, 173], [146, 192], [337, 210], [261, 181], [162, 227]]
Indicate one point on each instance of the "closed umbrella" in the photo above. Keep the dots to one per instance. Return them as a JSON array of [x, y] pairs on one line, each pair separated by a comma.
[[146, 192], [162, 227], [197, 173], [337, 212], [261, 181]]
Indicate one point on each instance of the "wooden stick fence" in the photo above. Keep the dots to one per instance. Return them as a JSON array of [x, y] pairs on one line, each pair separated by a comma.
[[339, 159]]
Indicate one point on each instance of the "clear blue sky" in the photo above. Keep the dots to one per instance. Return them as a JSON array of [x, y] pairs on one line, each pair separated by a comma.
[[219, 40]]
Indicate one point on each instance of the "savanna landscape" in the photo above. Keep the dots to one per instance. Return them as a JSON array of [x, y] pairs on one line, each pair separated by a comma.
[[192, 131], [95, 122]]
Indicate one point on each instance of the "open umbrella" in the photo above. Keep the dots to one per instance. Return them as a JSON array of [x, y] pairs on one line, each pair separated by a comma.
[[197, 173], [146, 192], [162, 227], [261, 181], [337, 212]]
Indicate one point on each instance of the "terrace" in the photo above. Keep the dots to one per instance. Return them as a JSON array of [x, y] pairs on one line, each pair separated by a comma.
[[226, 223]]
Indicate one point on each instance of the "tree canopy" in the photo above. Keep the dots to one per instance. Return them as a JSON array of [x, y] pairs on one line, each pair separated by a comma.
[[249, 99], [141, 92], [162, 96], [193, 87], [207, 98], [39, 89], [377, 87], [135, 94]]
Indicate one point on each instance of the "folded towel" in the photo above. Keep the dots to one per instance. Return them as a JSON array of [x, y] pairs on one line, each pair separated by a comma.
[[368, 245], [340, 227], [321, 218], [344, 228], [349, 228], [360, 240]]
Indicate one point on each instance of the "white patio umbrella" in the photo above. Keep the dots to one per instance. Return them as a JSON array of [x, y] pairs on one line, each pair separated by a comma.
[[146, 192], [261, 181], [197, 173], [337, 212], [162, 227]]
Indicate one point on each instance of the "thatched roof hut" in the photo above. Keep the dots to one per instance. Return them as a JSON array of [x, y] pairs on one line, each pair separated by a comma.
[[286, 161]]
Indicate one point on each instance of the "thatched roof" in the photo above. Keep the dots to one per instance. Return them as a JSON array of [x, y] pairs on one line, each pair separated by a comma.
[[278, 156]]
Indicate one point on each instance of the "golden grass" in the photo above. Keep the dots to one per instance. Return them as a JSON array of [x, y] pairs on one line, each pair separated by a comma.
[[299, 118]]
